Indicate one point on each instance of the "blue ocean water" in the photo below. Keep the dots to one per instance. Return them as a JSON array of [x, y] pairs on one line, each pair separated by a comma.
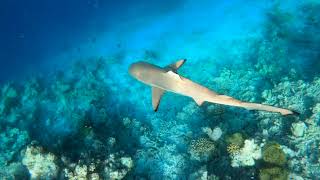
[[69, 108]]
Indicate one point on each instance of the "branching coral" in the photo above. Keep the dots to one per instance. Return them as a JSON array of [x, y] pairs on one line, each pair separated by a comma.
[[292, 95], [228, 83], [188, 111], [307, 148], [170, 164], [115, 166], [81, 172], [12, 142]]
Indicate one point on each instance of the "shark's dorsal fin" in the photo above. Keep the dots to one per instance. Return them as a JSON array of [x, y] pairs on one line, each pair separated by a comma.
[[156, 97], [175, 66]]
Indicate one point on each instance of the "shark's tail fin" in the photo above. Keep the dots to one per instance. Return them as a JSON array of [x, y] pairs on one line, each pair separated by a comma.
[[227, 100], [263, 107]]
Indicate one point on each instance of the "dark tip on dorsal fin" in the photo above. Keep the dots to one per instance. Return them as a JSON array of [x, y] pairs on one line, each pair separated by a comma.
[[175, 66]]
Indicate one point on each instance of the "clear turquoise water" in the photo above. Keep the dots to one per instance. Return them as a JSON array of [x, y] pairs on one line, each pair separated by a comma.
[[70, 110]]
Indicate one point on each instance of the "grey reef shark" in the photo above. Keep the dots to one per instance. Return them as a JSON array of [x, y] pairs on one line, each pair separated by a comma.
[[167, 79]]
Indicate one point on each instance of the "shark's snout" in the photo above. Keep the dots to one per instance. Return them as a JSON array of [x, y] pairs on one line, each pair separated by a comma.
[[132, 69], [135, 70]]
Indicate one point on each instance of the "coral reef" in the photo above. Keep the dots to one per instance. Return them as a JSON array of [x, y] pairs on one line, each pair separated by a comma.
[[233, 149], [246, 155], [214, 134], [275, 160], [9, 97], [80, 172], [202, 148], [40, 165], [202, 174], [298, 129], [273, 154], [12, 142], [169, 163], [115, 166], [90, 122], [236, 139], [14, 171], [273, 173]]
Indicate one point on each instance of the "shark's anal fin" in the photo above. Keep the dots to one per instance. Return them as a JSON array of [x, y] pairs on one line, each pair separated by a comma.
[[175, 66], [198, 101], [156, 97]]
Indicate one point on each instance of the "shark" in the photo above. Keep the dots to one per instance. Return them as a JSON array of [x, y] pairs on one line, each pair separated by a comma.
[[163, 79]]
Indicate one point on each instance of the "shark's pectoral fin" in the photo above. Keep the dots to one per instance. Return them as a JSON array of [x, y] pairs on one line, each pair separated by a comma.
[[198, 101], [175, 66], [156, 97]]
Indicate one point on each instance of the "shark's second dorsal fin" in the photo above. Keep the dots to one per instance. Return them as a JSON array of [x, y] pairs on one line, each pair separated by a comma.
[[156, 97], [175, 66]]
